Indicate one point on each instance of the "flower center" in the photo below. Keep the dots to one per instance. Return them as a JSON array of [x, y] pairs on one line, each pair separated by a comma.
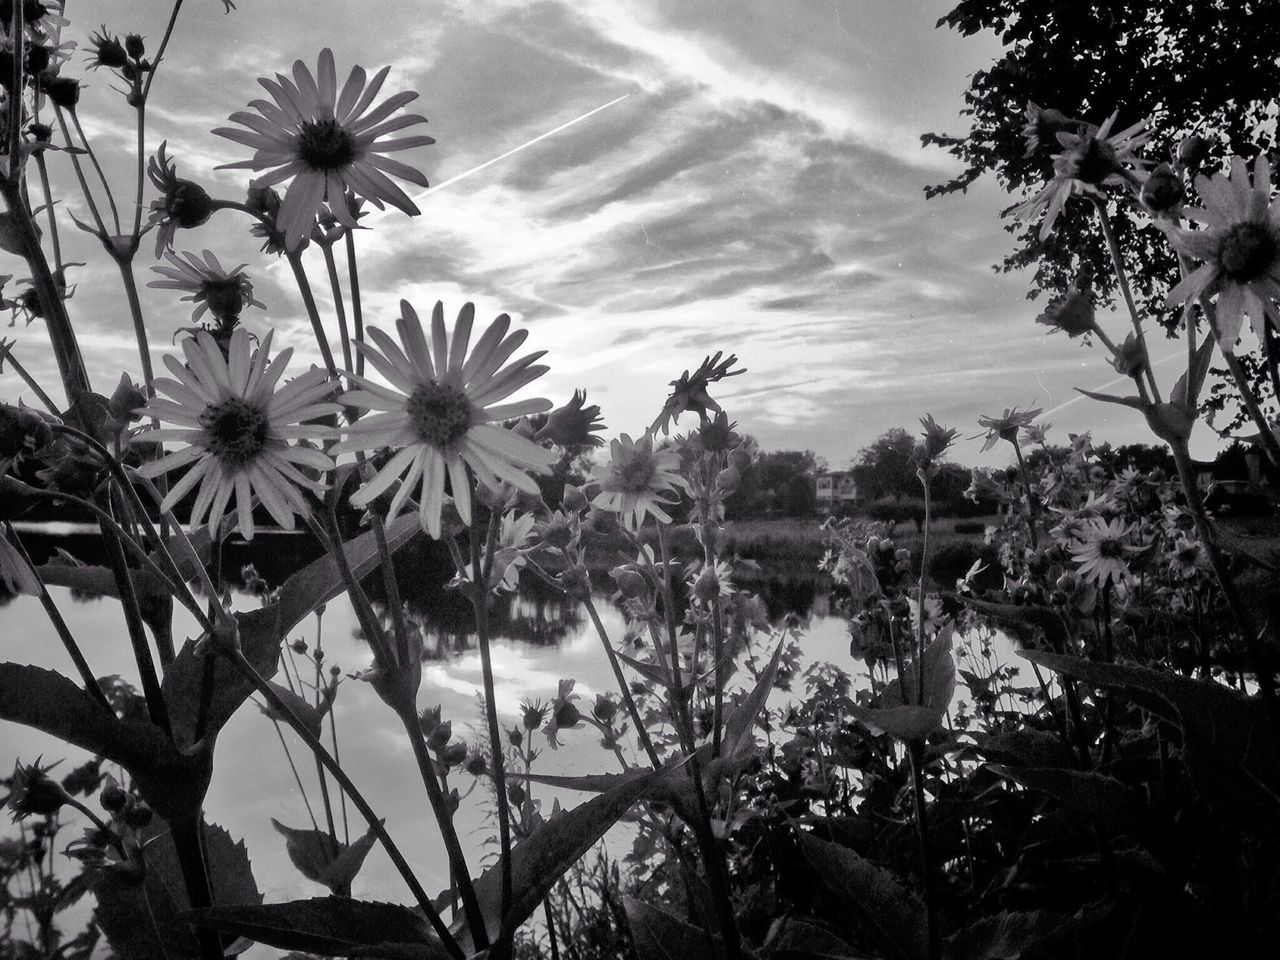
[[236, 432], [441, 414], [324, 145], [1246, 251], [635, 473], [1094, 161], [1110, 549], [223, 296]]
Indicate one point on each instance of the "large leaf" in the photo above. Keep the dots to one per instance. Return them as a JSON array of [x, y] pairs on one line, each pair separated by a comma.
[[912, 720], [791, 938], [170, 780], [1095, 794], [542, 859], [147, 917], [1025, 621], [331, 926], [1231, 750], [873, 892], [659, 934], [1009, 935], [261, 632]]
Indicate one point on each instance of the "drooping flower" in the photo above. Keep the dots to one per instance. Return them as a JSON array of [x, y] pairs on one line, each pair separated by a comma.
[[33, 792], [1238, 248], [237, 427], [574, 425], [1042, 126], [1188, 558], [1092, 159], [565, 714], [441, 412], [639, 480], [690, 392], [327, 140], [224, 293], [182, 203], [1072, 313], [1102, 549]]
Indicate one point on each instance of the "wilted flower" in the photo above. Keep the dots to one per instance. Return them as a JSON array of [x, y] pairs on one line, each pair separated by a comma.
[[716, 435], [1042, 127], [1162, 191], [1091, 160], [34, 793], [1188, 558], [1006, 426], [573, 425], [1101, 550], [638, 480], [441, 412], [1130, 357], [224, 293], [106, 51], [564, 713], [238, 426], [605, 709], [1239, 250], [934, 443], [327, 140], [533, 713], [690, 392], [1072, 313], [182, 204]]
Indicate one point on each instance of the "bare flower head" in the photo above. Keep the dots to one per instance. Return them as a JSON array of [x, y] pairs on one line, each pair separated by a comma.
[[1006, 426], [689, 392], [1073, 313], [182, 204], [574, 425]]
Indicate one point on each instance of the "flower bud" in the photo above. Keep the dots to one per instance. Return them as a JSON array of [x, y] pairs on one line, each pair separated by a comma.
[[605, 709], [574, 500], [574, 424], [728, 479], [557, 532], [476, 765], [576, 582], [1162, 191], [516, 794], [299, 646], [535, 712], [428, 720], [134, 46], [137, 814], [631, 584], [63, 91], [1130, 357], [567, 715], [107, 51], [440, 736], [515, 737], [1194, 150], [454, 754], [33, 792], [37, 59]]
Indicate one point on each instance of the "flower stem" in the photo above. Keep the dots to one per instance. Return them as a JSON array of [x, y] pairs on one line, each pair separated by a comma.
[[623, 688], [247, 670], [309, 302], [1032, 513], [1117, 261], [339, 307], [357, 311], [125, 264], [915, 750], [481, 565]]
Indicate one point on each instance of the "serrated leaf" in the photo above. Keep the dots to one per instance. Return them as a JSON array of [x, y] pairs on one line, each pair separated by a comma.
[[1230, 746], [146, 918], [791, 938], [1009, 935], [1088, 792], [261, 632], [659, 934], [875, 893], [914, 721], [331, 926]]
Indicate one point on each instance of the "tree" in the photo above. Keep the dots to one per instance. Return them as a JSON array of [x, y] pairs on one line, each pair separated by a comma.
[[778, 483], [885, 469], [1190, 66]]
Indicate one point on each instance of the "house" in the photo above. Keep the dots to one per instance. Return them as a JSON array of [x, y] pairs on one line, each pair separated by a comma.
[[835, 487]]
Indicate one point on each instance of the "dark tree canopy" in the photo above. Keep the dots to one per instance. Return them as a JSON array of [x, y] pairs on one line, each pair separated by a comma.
[[1187, 66], [777, 484], [885, 468]]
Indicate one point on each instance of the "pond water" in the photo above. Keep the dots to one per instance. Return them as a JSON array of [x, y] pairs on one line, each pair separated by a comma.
[[543, 640]]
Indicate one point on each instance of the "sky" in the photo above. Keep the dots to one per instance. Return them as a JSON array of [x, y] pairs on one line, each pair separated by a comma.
[[753, 184]]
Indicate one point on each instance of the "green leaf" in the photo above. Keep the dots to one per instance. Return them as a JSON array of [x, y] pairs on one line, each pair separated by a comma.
[[261, 632], [301, 707], [1025, 620], [1136, 402], [146, 918], [876, 894], [794, 939], [1095, 794], [1011, 934], [660, 935], [1027, 747], [914, 721], [330, 926], [1231, 751]]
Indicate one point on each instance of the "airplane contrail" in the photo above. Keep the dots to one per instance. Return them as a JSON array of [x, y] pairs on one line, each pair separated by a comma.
[[488, 163], [1110, 383]]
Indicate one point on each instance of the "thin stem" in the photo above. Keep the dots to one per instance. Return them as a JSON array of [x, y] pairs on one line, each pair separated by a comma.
[[924, 565], [357, 311], [43, 169], [313, 312], [93, 158], [79, 170], [915, 750], [297, 778], [125, 265], [339, 308], [164, 43], [623, 687], [6, 353], [481, 563], [1032, 513], [247, 670], [91, 685], [1117, 261], [13, 135]]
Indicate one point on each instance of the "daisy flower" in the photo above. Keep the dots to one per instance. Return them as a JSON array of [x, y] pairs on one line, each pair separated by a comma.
[[1238, 248], [637, 481], [1187, 558], [1102, 549], [327, 140], [441, 411], [1091, 160], [211, 288], [237, 427]]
